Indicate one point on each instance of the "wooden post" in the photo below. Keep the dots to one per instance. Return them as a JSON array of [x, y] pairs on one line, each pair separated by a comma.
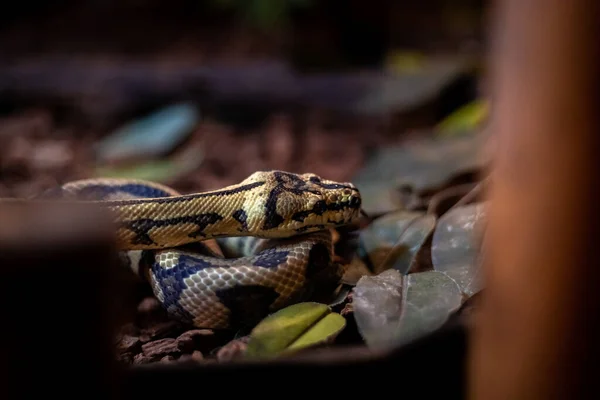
[[538, 335], [59, 301]]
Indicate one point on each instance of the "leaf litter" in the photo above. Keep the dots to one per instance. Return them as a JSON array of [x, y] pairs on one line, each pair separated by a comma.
[[415, 264]]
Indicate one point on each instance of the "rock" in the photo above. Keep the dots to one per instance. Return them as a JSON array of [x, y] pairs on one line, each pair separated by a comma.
[[160, 348]]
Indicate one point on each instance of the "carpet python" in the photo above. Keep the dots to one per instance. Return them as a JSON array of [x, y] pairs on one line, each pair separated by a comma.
[[221, 258]]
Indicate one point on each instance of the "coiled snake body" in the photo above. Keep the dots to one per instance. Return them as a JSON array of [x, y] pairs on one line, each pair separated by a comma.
[[216, 258]]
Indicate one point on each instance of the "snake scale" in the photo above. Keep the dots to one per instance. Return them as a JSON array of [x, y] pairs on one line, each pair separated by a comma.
[[220, 258]]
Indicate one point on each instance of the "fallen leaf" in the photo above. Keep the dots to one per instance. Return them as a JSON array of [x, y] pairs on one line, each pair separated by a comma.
[[405, 61], [151, 136], [392, 309], [464, 120], [295, 327], [322, 332], [161, 171], [455, 246], [430, 299], [402, 256], [377, 307], [393, 240], [419, 165]]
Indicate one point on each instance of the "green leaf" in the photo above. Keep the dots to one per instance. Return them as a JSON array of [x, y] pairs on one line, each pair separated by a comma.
[[465, 119], [323, 331], [293, 328], [405, 61]]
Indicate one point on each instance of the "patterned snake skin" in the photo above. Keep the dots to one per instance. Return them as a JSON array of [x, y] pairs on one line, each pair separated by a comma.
[[226, 257]]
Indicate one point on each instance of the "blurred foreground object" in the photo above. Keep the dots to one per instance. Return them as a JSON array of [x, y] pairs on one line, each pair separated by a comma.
[[58, 300], [536, 330]]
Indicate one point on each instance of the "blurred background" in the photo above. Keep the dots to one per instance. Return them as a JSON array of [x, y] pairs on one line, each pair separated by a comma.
[[199, 94]]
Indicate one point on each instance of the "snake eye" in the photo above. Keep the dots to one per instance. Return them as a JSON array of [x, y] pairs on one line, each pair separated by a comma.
[[347, 192], [315, 179]]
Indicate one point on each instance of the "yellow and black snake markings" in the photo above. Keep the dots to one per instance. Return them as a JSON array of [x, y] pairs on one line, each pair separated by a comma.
[[142, 226], [274, 226], [267, 204], [287, 182], [241, 217], [208, 291]]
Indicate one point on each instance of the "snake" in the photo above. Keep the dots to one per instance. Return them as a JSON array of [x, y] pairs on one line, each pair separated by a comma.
[[223, 258]]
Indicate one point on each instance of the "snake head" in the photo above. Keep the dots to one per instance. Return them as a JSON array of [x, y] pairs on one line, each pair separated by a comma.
[[334, 202], [305, 202]]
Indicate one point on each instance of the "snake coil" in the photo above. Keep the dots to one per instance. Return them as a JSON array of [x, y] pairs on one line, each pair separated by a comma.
[[218, 258]]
